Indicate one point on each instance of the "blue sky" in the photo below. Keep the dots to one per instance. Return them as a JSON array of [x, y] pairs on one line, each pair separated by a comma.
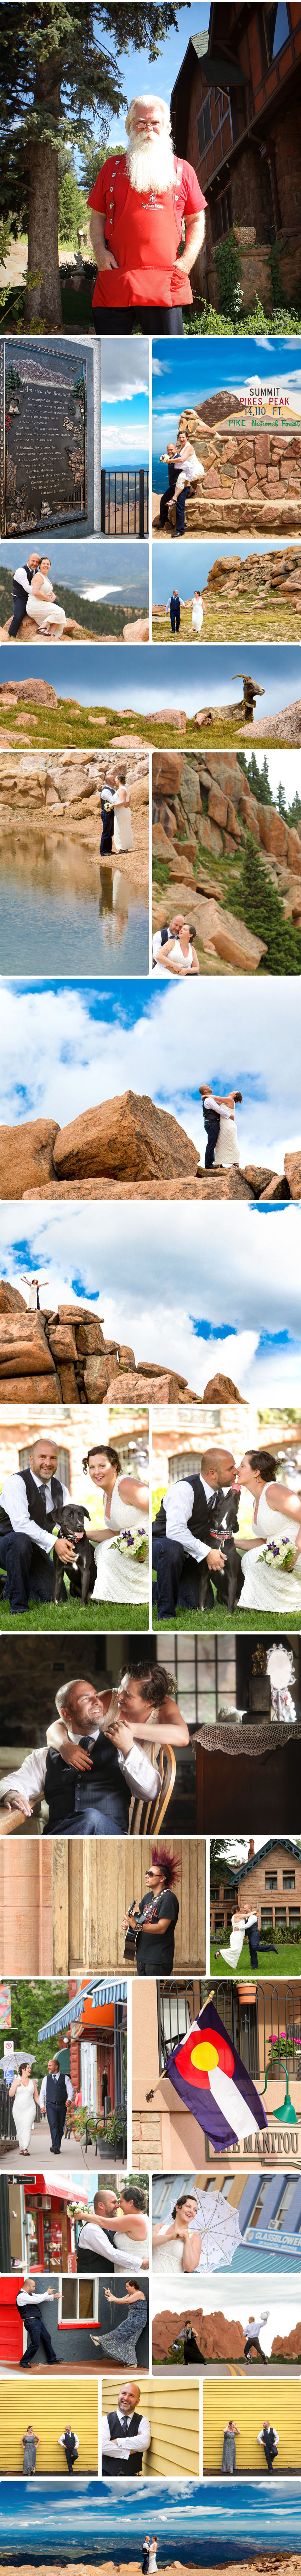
[[107, 568], [207, 2521], [124, 401], [137, 73], [169, 1284], [190, 568], [156, 679], [191, 369], [79, 1043]]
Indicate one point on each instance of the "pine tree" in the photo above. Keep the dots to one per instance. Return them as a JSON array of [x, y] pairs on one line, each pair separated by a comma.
[[58, 77], [258, 778], [259, 905], [281, 800]]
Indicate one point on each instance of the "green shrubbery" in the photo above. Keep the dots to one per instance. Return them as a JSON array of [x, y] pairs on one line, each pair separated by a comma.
[[259, 905]]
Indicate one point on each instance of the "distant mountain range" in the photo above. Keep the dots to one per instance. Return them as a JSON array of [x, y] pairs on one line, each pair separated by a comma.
[[98, 615]]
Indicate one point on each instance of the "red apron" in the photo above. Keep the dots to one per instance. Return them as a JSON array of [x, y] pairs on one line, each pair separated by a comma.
[[144, 236]]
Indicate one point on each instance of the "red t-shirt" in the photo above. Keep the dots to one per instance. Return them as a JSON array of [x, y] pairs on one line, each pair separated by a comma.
[[189, 195]]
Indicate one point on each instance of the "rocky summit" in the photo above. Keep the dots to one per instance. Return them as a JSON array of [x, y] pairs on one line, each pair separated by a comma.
[[203, 810], [63, 1357]]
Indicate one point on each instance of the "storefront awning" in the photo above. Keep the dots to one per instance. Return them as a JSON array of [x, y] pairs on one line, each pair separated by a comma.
[[96, 1994]]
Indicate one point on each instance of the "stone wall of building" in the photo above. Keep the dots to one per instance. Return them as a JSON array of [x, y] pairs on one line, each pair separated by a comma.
[[251, 479]]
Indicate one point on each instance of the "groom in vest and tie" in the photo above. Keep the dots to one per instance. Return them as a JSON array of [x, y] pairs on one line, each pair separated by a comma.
[[184, 1533], [21, 586], [125, 2435], [31, 1503]]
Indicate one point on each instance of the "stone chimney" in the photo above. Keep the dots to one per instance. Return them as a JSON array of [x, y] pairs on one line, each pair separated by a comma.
[[251, 1849]]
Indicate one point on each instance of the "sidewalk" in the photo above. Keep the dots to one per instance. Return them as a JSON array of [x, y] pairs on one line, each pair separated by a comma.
[[72, 2155]]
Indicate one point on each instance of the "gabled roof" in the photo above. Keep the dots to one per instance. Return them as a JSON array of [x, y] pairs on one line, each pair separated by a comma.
[[278, 1842]]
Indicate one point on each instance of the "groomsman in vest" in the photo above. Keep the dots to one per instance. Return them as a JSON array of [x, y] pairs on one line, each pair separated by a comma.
[[56, 2103], [31, 1502], [125, 2427], [30, 2302]]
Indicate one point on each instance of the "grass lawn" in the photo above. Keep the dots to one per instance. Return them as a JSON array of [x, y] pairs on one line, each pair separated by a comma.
[[219, 1618], [105, 1615], [287, 1964], [240, 621], [55, 727]]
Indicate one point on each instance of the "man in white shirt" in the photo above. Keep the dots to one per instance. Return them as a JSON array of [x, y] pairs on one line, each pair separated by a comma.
[[69, 2442], [173, 609], [269, 2440], [21, 587], [211, 1116], [125, 2434], [170, 931], [89, 1783], [257, 2337], [43, 2087], [30, 1507], [30, 2302], [182, 1532], [99, 2251]]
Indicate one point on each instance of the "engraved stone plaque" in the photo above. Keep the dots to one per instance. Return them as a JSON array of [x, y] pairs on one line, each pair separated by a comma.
[[46, 396]]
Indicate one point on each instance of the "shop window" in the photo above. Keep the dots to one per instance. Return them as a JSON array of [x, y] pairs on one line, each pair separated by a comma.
[[277, 28]]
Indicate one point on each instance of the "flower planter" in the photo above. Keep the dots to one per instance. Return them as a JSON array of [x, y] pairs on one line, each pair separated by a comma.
[[245, 235]]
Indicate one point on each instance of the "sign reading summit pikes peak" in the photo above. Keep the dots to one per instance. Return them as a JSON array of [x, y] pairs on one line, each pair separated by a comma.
[[46, 436]]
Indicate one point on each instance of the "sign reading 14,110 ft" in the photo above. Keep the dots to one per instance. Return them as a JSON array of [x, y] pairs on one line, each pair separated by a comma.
[[46, 436]]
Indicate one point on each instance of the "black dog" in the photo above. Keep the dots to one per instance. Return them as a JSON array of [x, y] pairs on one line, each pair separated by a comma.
[[82, 1574], [228, 1580]]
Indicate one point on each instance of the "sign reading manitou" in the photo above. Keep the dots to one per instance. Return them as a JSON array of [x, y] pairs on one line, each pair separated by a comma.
[[264, 407]]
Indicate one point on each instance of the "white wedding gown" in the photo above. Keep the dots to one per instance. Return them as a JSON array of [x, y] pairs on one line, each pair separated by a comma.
[[264, 1588], [197, 616], [24, 2112], [44, 609], [227, 1149], [123, 829], [121, 1578], [220, 2232], [235, 1944]]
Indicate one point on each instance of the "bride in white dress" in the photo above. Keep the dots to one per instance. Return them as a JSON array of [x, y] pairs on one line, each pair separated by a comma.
[[276, 1515], [126, 1505], [200, 2236], [236, 1942], [41, 603], [227, 1149], [123, 829], [23, 2093]]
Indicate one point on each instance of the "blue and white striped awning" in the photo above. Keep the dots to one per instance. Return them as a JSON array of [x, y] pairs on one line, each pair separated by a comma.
[[101, 1992]]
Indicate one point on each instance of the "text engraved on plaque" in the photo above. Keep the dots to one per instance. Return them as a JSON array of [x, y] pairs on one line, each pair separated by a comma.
[[45, 478]]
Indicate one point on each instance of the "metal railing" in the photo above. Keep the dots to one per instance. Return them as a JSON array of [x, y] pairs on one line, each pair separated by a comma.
[[179, 2003], [124, 501]]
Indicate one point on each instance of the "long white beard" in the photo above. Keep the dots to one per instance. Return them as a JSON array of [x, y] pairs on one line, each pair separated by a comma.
[[150, 165]]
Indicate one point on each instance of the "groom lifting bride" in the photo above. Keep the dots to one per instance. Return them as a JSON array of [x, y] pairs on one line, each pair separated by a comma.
[[219, 1121], [184, 1530]]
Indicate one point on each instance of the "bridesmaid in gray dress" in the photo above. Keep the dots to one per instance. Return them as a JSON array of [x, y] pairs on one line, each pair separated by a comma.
[[121, 2341], [229, 2449], [31, 2444]]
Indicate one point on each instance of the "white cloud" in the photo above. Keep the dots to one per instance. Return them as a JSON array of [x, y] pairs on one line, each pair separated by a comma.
[[154, 1276], [72, 1060]]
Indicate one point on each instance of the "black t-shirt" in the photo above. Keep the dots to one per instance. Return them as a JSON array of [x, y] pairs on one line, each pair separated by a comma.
[[149, 1949]]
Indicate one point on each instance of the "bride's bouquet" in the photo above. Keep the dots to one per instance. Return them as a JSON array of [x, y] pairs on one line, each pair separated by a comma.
[[136, 1540], [280, 1553]]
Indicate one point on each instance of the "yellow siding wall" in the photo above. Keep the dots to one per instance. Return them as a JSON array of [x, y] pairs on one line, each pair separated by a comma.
[[174, 2415], [48, 2405], [276, 2400]]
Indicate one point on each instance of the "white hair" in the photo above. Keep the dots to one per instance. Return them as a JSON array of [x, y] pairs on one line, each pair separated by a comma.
[[147, 99]]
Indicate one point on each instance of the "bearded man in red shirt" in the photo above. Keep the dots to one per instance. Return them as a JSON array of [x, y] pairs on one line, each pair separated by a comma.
[[139, 202]]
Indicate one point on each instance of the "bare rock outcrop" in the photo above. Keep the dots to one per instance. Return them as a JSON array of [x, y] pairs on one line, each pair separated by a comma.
[[221, 1390], [207, 811], [127, 1138], [26, 1156], [292, 1167], [35, 692]]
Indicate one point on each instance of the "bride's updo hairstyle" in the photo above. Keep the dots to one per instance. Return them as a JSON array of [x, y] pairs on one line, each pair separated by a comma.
[[155, 1684], [263, 1464], [237, 1095], [101, 1451]]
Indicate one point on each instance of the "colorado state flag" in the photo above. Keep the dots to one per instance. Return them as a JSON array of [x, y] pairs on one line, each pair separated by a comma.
[[213, 2083]]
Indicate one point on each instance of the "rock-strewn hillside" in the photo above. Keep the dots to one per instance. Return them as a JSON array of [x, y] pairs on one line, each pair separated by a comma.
[[202, 812]]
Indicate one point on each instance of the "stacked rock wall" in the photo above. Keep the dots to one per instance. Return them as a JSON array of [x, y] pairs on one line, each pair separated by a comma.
[[251, 478]]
